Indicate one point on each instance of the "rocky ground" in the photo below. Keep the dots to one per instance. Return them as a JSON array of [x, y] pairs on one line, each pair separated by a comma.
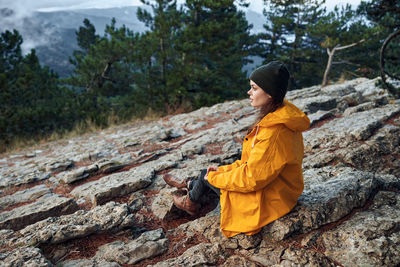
[[100, 200]]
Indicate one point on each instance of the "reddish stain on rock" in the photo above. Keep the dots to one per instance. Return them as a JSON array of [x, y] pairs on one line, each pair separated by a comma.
[[62, 189], [178, 244], [87, 205], [392, 120], [13, 189], [82, 248], [214, 149], [17, 205], [322, 122]]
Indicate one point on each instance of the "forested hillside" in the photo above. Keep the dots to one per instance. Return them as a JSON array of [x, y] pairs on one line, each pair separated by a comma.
[[191, 56]]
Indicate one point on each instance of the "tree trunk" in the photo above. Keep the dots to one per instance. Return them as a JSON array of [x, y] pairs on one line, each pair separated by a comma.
[[328, 66], [163, 70], [330, 59]]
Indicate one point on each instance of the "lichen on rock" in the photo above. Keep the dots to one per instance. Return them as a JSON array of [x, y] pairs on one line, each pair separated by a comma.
[[100, 200]]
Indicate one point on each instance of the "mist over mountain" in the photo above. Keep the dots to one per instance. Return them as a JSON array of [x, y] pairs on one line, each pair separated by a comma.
[[56, 53], [52, 34]]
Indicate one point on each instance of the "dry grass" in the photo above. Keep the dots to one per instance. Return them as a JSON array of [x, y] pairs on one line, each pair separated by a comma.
[[21, 143], [81, 128]]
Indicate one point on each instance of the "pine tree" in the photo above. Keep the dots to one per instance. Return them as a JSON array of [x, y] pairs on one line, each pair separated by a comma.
[[31, 102], [287, 38], [86, 37], [385, 16], [214, 46], [164, 24], [383, 12], [349, 44], [104, 71]]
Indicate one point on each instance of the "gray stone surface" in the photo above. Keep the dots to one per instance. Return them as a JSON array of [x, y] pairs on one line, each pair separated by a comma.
[[22, 176], [359, 108], [270, 253], [79, 174], [380, 153], [57, 166], [356, 127], [236, 260], [23, 196], [5, 236], [339, 90], [370, 237], [148, 245], [89, 262], [25, 256], [351, 157], [323, 202], [108, 218], [267, 254], [320, 115], [303, 257], [162, 203], [115, 185], [46, 206], [200, 255], [111, 165], [313, 104]]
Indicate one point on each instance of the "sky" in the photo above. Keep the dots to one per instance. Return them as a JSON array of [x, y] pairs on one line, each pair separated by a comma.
[[27, 6]]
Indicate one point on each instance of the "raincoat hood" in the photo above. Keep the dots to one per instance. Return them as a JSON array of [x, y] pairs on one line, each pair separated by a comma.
[[289, 115]]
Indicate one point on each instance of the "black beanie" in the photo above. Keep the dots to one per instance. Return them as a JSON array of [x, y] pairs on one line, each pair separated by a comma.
[[273, 78]]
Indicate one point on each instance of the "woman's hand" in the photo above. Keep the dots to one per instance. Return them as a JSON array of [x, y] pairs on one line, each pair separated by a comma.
[[210, 169]]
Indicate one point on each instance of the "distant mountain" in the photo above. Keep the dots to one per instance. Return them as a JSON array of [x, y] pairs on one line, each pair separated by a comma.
[[99, 17], [64, 24], [52, 34]]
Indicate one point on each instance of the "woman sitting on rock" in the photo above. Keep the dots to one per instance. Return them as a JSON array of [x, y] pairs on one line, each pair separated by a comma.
[[266, 182]]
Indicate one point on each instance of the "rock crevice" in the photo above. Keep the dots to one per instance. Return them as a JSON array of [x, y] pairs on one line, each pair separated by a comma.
[[114, 200]]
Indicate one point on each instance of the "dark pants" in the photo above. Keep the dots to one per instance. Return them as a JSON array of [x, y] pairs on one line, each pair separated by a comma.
[[198, 187]]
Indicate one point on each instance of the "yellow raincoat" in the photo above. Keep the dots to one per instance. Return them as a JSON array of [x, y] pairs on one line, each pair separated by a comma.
[[266, 183]]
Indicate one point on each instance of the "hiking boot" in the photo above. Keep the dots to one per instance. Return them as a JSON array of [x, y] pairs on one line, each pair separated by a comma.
[[184, 203], [173, 181]]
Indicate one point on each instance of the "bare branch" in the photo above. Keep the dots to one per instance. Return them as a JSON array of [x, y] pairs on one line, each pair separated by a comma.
[[345, 62], [105, 71], [348, 46]]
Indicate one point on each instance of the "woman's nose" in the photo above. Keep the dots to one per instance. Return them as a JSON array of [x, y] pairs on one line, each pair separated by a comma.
[[249, 92]]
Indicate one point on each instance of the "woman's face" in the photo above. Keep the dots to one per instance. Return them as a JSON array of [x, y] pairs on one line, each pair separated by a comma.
[[258, 97]]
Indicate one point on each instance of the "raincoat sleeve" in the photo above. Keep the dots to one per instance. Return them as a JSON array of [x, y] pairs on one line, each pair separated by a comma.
[[229, 167], [266, 160]]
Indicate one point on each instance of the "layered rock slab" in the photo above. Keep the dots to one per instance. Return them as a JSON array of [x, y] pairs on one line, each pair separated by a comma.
[[111, 217], [370, 237], [23, 176], [149, 244], [356, 127], [369, 140], [276, 254], [115, 185], [24, 196], [89, 262], [25, 256], [200, 255], [324, 200], [46, 206]]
